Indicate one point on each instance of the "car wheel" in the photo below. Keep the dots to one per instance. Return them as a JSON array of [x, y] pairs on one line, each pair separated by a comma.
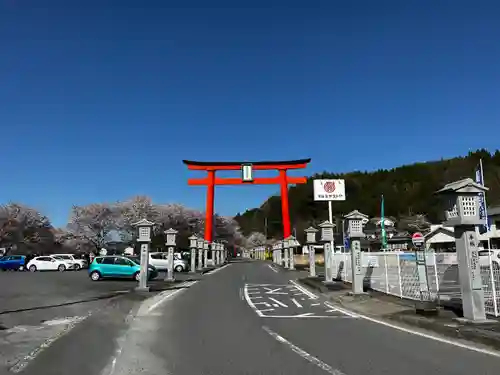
[[95, 276], [137, 276], [33, 268], [179, 268], [61, 268], [77, 267]]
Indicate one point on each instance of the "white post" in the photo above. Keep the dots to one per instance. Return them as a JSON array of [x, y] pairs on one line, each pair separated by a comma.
[[386, 274], [436, 276], [399, 276], [330, 219]]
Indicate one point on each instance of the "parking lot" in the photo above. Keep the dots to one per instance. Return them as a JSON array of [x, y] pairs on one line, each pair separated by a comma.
[[38, 307]]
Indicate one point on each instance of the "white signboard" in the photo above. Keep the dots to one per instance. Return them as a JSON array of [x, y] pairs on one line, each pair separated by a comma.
[[329, 190], [246, 171]]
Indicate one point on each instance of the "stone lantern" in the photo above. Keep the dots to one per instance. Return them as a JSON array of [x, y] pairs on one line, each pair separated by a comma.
[[355, 220], [462, 211], [193, 244], [292, 244], [144, 229], [327, 238], [311, 240]]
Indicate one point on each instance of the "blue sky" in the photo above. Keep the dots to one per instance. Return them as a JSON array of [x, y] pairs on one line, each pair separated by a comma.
[[101, 100]]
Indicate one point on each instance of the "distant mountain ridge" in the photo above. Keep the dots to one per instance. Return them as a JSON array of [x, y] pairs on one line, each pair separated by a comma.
[[408, 191]]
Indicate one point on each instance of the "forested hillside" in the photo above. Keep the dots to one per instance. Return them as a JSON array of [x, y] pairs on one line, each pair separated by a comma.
[[408, 190]]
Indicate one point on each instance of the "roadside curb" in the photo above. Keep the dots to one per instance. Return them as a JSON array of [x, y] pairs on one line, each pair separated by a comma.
[[476, 333]]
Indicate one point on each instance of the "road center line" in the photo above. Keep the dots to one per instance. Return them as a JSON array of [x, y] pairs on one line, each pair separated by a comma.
[[308, 357]]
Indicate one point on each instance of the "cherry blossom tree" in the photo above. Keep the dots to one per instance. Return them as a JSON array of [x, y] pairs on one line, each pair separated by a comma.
[[93, 223], [24, 228], [255, 239], [131, 211]]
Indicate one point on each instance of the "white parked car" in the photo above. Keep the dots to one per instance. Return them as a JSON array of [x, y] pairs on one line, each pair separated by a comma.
[[159, 261], [49, 263], [70, 258], [484, 258]]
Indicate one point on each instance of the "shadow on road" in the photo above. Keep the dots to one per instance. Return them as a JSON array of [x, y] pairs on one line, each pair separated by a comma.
[[96, 298]]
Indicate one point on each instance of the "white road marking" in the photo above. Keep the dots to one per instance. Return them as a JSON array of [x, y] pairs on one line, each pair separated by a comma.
[[307, 316], [304, 290], [315, 304], [218, 269], [296, 302], [262, 303], [308, 357], [257, 297], [261, 311], [249, 301], [411, 331], [277, 302], [165, 296], [272, 268], [274, 291]]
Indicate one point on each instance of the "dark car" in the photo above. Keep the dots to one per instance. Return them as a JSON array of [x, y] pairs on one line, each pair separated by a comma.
[[13, 262]]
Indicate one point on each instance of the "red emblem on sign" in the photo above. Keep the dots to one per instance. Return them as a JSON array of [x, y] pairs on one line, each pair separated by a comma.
[[329, 187]]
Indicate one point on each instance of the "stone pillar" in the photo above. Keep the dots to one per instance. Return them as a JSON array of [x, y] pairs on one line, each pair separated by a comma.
[[357, 266], [170, 264], [205, 254], [143, 277], [291, 261], [200, 254], [286, 254], [192, 268], [469, 271]]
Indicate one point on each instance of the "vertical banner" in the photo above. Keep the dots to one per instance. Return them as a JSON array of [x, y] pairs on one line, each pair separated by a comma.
[[483, 213]]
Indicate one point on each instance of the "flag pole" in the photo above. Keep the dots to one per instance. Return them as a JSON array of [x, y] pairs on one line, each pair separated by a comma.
[[485, 205]]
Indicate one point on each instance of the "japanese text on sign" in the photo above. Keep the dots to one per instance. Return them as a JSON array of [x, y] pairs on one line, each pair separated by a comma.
[[329, 190]]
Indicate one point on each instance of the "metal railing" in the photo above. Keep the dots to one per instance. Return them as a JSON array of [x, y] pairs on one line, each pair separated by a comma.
[[396, 273]]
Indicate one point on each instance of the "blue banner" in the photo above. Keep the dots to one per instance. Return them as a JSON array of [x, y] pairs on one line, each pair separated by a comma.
[[346, 242], [483, 213]]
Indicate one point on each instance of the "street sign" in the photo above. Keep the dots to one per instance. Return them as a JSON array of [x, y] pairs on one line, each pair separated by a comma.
[[329, 190], [417, 239]]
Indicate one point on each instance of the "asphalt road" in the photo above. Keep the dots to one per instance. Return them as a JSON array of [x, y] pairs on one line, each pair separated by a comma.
[[247, 319], [36, 308]]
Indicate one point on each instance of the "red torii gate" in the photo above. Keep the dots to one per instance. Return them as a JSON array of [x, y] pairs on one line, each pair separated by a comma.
[[247, 170]]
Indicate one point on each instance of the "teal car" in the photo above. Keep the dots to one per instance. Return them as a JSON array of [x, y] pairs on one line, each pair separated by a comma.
[[114, 266]]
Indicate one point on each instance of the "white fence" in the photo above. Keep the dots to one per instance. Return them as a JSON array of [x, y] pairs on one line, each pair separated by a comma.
[[396, 274]]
